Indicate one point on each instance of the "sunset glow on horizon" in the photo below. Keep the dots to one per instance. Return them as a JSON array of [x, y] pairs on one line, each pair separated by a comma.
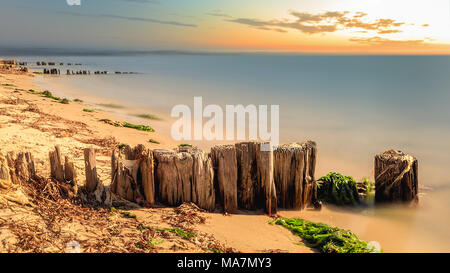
[[324, 26]]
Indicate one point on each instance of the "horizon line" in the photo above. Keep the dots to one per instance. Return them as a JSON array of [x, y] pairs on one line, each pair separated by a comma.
[[47, 51]]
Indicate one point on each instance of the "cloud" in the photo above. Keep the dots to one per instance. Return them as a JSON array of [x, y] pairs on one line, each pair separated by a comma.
[[130, 18], [326, 22], [384, 41], [219, 13]]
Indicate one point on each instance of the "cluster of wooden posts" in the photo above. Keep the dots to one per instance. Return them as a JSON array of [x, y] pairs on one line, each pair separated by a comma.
[[8, 62], [42, 63], [79, 72], [240, 176], [52, 71], [231, 177]]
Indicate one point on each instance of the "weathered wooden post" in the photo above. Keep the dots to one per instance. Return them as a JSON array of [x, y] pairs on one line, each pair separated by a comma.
[[56, 164], [202, 179], [133, 176], [91, 169], [294, 167], [94, 188], [21, 167], [174, 176], [265, 176], [247, 174], [256, 188], [5, 178], [396, 177], [62, 172], [70, 175], [225, 168]]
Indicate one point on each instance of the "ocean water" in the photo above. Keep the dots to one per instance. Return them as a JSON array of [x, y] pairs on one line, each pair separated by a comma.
[[353, 107]]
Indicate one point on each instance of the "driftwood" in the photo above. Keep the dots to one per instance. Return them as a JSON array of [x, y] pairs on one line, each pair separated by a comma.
[[133, 175], [396, 177], [294, 167], [226, 175]]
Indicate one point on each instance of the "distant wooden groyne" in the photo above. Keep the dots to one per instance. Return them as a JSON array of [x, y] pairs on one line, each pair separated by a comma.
[[8, 62]]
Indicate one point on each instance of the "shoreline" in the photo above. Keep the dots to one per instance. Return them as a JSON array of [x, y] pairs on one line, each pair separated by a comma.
[[74, 130]]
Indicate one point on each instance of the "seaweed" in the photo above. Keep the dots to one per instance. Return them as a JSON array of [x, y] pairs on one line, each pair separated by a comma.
[[128, 125], [111, 105], [65, 101], [338, 189], [110, 122], [181, 232], [153, 141], [142, 227], [128, 214], [88, 110], [48, 94], [154, 242], [325, 238], [138, 127], [148, 116], [185, 145]]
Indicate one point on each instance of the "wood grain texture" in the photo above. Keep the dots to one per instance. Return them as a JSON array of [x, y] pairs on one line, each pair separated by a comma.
[[396, 177]]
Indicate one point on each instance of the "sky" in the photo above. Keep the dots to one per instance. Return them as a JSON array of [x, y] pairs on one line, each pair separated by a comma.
[[308, 26]]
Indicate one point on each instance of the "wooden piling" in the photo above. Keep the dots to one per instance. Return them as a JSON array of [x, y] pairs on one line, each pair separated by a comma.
[[91, 169], [247, 174], [294, 167], [132, 172], [203, 193], [56, 164], [21, 167], [173, 175], [396, 177], [265, 177], [226, 175]]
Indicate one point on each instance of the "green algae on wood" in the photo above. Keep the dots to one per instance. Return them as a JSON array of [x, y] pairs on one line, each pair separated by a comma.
[[324, 238]]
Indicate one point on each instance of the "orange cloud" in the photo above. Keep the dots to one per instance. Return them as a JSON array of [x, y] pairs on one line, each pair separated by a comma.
[[327, 22]]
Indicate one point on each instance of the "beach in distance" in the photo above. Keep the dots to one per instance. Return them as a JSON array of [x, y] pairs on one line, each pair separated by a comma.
[[352, 106]]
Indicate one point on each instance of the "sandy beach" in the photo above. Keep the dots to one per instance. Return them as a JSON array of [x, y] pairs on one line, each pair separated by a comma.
[[32, 123]]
